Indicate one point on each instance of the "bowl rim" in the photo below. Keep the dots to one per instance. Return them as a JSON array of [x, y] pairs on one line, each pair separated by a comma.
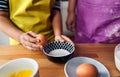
[[59, 56], [23, 59]]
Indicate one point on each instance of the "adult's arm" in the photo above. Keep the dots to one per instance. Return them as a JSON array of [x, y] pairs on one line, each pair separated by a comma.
[[8, 27], [70, 22]]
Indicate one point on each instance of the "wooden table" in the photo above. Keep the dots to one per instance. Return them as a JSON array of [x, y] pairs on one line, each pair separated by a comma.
[[101, 52]]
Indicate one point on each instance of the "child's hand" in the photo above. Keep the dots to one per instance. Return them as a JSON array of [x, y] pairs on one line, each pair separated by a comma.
[[63, 38], [71, 22], [28, 40]]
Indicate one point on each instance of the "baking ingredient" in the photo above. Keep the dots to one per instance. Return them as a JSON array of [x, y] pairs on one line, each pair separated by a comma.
[[42, 40], [86, 70], [22, 73], [59, 52]]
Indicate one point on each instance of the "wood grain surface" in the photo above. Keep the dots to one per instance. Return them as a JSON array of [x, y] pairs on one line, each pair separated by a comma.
[[104, 53]]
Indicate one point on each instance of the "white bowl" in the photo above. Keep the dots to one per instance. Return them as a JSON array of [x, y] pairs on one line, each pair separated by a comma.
[[117, 56], [72, 64], [17, 65]]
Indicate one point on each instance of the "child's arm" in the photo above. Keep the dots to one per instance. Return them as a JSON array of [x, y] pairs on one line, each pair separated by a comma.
[[57, 23], [57, 26], [56, 18], [70, 22]]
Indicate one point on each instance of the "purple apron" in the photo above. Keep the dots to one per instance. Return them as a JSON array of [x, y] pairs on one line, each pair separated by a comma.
[[97, 21]]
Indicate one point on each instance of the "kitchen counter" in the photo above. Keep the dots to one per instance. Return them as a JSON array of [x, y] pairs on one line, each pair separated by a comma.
[[104, 53]]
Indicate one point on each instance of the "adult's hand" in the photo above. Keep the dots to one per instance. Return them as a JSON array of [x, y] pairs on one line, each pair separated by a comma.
[[70, 22], [28, 40]]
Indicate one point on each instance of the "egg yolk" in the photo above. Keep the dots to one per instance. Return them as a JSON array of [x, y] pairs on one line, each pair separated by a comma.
[[22, 73]]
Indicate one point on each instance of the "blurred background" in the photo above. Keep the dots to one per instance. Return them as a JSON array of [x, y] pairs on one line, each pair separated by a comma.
[[64, 4]]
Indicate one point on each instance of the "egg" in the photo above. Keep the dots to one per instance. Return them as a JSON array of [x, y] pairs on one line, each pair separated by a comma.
[[86, 70], [22, 73], [42, 40]]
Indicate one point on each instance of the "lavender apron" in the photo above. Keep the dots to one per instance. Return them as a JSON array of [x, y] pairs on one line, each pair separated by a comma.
[[97, 21]]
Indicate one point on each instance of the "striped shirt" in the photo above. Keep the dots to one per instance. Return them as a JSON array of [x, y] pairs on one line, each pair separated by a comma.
[[4, 5], [57, 5]]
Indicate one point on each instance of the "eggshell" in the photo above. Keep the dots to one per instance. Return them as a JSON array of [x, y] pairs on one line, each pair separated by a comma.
[[86, 70], [42, 39]]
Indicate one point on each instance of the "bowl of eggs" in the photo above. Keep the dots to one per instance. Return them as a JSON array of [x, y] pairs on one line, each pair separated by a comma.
[[59, 52], [85, 67], [21, 67]]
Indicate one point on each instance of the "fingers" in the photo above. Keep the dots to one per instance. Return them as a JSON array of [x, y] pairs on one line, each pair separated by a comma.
[[63, 38], [32, 46], [27, 37], [67, 39], [32, 34], [58, 38], [71, 26], [68, 25], [28, 40]]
